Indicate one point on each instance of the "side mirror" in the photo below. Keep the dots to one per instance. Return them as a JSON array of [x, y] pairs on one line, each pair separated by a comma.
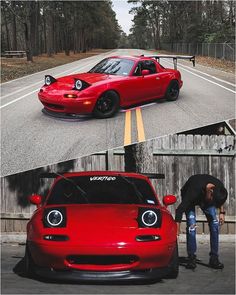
[[145, 72], [169, 200], [35, 200]]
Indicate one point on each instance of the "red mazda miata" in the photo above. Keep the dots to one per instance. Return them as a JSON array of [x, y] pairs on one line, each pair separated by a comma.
[[102, 226], [117, 81]]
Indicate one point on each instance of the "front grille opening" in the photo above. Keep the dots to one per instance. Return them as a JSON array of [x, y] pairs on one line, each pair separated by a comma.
[[53, 106], [102, 259]]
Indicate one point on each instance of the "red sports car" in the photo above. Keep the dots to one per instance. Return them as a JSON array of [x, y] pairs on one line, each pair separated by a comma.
[[102, 226], [117, 81]]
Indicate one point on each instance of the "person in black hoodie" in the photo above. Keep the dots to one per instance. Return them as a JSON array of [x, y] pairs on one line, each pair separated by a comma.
[[209, 193]]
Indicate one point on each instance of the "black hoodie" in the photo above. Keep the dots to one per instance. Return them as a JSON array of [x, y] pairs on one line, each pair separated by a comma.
[[194, 191]]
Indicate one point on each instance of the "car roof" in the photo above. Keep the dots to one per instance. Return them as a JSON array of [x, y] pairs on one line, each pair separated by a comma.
[[103, 173], [132, 57]]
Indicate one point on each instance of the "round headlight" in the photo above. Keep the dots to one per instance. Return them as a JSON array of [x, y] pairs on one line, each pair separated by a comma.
[[47, 80], [78, 84], [54, 218], [149, 218]]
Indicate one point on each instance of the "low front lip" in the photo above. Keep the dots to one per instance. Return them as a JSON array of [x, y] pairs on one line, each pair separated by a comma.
[[95, 276]]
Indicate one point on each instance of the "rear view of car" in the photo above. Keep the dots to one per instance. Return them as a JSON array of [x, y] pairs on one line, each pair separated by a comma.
[[96, 226]]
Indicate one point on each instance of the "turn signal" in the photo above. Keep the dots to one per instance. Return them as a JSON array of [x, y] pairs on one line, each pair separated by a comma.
[[87, 102], [70, 96]]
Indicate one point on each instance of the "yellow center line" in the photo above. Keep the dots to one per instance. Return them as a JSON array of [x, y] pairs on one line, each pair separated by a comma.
[[140, 128], [127, 136]]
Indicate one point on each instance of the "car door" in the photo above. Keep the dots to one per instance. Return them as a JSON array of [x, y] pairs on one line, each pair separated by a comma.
[[142, 88]]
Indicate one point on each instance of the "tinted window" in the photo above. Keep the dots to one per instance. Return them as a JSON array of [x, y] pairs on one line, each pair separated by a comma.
[[102, 189], [113, 66], [145, 65]]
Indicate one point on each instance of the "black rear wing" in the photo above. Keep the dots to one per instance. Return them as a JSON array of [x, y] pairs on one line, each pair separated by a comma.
[[55, 175], [50, 174], [174, 58], [154, 175]]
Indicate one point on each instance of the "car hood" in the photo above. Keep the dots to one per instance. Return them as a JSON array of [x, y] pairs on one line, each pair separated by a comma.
[[104, 225], [102, 215], [90, 78]]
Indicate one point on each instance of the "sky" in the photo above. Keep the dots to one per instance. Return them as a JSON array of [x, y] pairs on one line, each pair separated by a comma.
[[121, 8]]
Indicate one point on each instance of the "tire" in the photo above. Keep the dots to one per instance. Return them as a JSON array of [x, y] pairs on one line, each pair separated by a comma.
[[174, 266], [107, 105], [172, 92], [28, 263]]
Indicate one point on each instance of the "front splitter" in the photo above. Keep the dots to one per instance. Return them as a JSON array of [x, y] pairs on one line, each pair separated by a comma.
[[65, 116], [98, 276]]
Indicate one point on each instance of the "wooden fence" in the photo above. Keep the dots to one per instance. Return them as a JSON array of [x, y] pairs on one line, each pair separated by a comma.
[[177, 156]]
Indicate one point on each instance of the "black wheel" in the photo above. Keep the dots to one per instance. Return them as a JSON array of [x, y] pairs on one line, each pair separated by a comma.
[[174, 265], [172, 92], [107, 105], [28, 263]]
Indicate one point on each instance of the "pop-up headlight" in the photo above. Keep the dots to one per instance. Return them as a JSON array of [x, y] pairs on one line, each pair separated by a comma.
[[49, 80], [80, 85]]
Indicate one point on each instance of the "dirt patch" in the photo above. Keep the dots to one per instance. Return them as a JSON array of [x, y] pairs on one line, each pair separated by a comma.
[[13, 68]]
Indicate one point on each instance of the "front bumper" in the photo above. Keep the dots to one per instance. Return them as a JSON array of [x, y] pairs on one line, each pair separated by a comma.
[[59, 104], [139, 256]]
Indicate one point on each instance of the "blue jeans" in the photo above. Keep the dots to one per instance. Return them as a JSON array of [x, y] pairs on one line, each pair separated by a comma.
[[213, 223]]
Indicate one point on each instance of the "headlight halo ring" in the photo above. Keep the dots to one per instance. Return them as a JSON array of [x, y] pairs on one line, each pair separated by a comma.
[[147, 212], [47, 80], [54, 224], [78, 84]]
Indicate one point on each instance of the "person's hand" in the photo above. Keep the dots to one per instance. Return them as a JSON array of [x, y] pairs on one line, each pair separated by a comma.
[[221, 218], [178, 228]]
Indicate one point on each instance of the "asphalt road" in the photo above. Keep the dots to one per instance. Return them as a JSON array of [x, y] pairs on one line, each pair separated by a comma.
[[30, 139], [203, 280]]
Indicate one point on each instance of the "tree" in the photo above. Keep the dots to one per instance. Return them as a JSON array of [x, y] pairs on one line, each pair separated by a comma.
[[157, 22], [55, 26]]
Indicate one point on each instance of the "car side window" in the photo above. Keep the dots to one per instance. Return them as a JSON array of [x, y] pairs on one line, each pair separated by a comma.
[[138, 70], [145, 65], [149, 65]]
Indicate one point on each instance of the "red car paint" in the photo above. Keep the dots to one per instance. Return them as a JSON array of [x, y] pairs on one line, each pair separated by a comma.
[[130, 89], [102, 230]]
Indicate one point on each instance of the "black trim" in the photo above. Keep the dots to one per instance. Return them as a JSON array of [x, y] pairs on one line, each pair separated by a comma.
[[58, 238], [154, 175], [148, 238], [66, 116], [104, 276], [175, 58], [102, 259]]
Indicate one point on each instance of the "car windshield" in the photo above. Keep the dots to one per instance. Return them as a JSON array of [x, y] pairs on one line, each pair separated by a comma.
[[115, 189], [113, 66]]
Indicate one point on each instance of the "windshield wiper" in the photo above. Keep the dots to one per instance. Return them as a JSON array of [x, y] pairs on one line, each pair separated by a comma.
[[83, 193], [138, 193]]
